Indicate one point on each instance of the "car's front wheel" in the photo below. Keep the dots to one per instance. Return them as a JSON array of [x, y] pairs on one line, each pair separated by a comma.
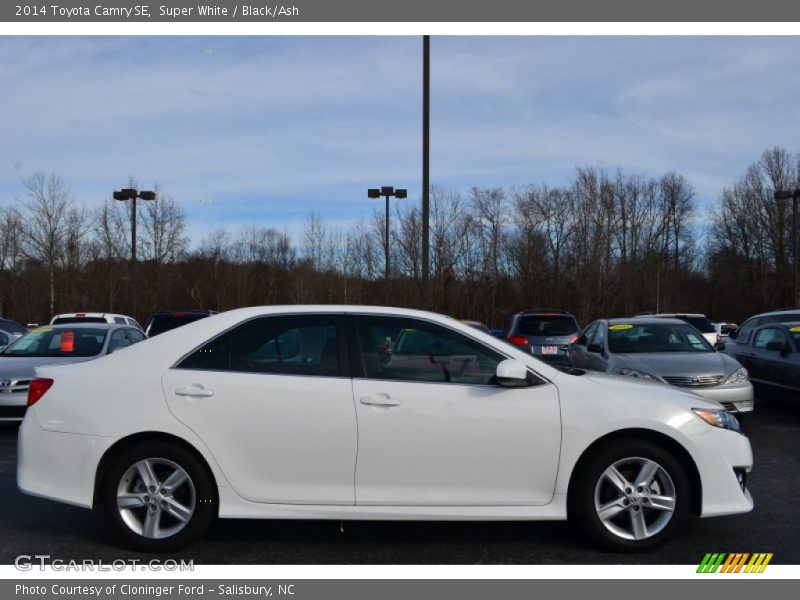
[[631, 496], [159, 497]]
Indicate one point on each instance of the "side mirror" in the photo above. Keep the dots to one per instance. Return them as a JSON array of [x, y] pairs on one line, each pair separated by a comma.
[[719, 346], [512, 373], [733, 334], [594, 348]]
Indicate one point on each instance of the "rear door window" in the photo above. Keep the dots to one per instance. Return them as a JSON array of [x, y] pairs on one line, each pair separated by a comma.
[[546, 325]]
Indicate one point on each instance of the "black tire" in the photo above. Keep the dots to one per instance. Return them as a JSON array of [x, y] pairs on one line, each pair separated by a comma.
[[581, 500], [200, 492]]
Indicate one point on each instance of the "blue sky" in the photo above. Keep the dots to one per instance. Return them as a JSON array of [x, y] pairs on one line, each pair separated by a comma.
[[265, 129]]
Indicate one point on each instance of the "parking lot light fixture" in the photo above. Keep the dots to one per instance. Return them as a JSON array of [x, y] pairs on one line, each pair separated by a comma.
[[794, 195], [131, 194], [387, 192]]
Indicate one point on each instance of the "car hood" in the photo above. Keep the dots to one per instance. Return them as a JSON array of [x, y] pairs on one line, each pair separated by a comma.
[[681, 363], [24, 367], [651, 390]]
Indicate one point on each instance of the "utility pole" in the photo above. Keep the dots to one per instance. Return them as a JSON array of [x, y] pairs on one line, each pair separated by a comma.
[[131, 194], [387, 192], [426, 168]]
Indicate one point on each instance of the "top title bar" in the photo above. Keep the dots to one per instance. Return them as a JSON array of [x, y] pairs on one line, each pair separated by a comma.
[[466, 11]]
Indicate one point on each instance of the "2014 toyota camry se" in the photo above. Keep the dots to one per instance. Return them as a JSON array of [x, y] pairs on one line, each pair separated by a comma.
[[352, 412]]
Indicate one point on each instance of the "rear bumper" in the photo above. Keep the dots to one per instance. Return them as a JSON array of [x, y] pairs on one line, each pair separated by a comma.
[[58, 466], [736, 398]]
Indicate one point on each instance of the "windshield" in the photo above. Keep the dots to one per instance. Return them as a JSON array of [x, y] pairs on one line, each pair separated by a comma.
[[637, 338], [50, 342]]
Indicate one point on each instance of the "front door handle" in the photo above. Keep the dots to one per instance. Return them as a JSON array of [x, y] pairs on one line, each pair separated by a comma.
[[194, 391], [380, 400]]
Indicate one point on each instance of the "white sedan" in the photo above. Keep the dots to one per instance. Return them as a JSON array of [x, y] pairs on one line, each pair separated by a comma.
[[352, 412]]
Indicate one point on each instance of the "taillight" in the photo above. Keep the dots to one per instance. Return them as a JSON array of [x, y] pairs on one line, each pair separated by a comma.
[[573, 339], [719, 338], [518, 340], [37, 389]]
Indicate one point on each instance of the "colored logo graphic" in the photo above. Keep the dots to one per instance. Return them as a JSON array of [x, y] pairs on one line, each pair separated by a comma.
[[737, 562]]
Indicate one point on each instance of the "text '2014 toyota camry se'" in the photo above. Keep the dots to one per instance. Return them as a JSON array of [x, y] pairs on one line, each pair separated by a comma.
[[352, 412]]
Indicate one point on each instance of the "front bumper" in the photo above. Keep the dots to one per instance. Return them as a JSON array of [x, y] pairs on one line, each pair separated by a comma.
[[722, 456], [736, 398], [58, 466], [13, 398]]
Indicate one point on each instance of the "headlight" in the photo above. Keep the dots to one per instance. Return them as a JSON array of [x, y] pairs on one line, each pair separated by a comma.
[[635, 373], [718, 418], [738, 376]]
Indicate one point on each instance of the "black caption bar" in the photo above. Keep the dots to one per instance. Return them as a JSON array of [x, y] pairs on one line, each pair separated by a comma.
[[403, 11], [349, 589]]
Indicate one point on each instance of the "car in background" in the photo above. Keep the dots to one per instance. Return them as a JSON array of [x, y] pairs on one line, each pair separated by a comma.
[[166, 320], [724, 330], [743, 334], [667, 351], [699, 321], [12, 327], [94, 317], [772, 357], [479, 326], [49, 345], [546, 334], [5, 339], [193, 432]]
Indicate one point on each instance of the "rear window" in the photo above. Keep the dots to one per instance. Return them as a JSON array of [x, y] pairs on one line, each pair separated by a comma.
[[702, 324], [161, 323], [547, 325], [69, 320]]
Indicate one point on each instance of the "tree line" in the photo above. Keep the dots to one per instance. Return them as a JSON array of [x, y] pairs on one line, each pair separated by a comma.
[[607, 243]]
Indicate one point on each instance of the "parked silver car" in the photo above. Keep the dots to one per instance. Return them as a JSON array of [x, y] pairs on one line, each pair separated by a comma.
[[664, 350], [55, 344]]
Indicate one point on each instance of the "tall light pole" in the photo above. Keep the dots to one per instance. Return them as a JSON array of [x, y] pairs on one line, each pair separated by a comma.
[[387, 192], [794, 195], [426, 172], [131, 194]]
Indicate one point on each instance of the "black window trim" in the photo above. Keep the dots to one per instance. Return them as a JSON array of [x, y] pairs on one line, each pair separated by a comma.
[[341, 327]]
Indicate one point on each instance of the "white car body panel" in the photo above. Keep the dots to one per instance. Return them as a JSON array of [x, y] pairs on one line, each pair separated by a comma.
[[442, 444], [93, 405], [297, 444]]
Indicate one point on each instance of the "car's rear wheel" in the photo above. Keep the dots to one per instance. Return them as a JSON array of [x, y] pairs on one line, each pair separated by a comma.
[[631, 496], [159, 497]]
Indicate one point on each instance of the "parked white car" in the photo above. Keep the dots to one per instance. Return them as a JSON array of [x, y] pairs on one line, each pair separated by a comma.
[[94, 317], [697, 320], [295, 412]]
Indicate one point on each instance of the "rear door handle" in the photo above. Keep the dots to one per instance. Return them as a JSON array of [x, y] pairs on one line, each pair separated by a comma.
[[380, 400], [194, 391]]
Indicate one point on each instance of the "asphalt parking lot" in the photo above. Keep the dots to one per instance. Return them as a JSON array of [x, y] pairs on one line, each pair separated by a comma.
[[34, 526]]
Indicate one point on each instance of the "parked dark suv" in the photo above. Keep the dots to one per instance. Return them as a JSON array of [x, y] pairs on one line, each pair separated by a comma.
[[743, 334], [168, 319], [546, 334]]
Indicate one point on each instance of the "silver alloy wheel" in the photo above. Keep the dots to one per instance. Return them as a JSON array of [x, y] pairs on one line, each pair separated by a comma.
[[156, 498], [635, 498]]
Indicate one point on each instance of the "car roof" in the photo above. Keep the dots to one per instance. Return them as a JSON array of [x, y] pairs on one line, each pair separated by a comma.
[[683, 314], [650, 320], [89, 325], [785, 325], [90, 314], [777, 312]]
